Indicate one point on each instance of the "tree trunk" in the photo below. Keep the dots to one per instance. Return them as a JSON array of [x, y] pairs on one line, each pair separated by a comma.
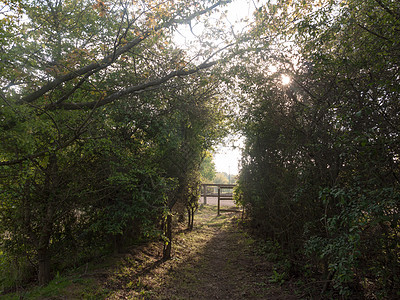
[[190, 216], [168, 235], [192, 221], [44, 266], [190, 211], [43, 253], [118, 243]]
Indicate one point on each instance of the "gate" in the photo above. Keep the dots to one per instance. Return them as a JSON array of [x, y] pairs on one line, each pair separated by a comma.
[[221, 191]]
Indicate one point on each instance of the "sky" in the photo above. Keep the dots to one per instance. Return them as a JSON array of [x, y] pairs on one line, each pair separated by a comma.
[[226, 156], [227, 160]]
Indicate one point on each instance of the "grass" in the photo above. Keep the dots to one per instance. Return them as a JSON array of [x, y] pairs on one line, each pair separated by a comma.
[[63, 288], [216, 248]]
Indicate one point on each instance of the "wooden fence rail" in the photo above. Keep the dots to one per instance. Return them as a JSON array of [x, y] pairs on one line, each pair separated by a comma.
[[222, 191]]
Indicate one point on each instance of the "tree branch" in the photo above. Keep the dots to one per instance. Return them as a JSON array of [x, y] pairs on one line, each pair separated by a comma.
[[111, 58], [372, 32], [388, 10], [130, 90]]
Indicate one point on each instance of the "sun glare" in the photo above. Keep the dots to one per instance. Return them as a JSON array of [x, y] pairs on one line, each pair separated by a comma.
[[285, 79]]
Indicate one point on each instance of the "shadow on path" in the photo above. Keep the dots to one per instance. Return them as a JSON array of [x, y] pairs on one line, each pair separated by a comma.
[[214, 261], [224, 266]]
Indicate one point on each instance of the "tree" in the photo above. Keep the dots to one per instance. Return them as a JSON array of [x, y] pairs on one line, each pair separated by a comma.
[[207, 169], [193, 125], [71, 74], [221, 178], [320, 168]]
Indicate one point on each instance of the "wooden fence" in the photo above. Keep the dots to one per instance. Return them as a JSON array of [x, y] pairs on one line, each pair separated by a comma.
[[222, 191]]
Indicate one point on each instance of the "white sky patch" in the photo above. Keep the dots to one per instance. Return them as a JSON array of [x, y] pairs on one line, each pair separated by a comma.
[[285, 79], [234, 17], [272, 69], [227, 157], [227, 160]]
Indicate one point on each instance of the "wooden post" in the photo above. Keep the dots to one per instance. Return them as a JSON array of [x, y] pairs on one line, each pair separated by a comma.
[[219, 195], [204, 194]]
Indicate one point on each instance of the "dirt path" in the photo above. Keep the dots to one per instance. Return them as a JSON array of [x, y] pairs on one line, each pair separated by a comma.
[[215, 261]]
